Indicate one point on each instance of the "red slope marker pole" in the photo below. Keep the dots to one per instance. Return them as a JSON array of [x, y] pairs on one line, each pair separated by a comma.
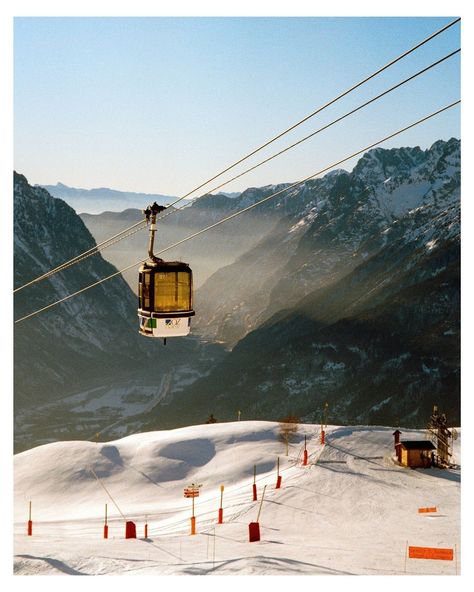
[[221, 510], [30, 523], [146, 527], [305, 453], [324, 425], [254, 486], [278, 483], [106, 526]]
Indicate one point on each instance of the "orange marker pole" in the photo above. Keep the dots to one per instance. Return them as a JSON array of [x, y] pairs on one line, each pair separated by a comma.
[[193, 519], [146, 527], [305, 453], [106, 526], [254, 486], [30, 523]]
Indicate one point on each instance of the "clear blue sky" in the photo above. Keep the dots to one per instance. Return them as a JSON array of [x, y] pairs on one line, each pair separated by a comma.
[[159, 104]]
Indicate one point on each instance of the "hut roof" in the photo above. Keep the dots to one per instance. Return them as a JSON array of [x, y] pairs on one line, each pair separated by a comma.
[[418, 445]]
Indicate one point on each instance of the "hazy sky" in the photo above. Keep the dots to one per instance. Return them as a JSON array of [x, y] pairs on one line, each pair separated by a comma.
[[159, 104]]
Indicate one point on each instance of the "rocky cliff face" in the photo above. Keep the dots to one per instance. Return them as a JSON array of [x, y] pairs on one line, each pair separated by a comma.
[[331, 226], [88, 342]]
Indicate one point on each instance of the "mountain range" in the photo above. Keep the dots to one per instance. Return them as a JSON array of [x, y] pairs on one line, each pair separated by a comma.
[[208, 252], [100, 199], [354, 299], [344, 290]]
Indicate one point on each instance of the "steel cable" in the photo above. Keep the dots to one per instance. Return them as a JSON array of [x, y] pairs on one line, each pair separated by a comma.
[[239, 212], [99, 247], [321, 129]]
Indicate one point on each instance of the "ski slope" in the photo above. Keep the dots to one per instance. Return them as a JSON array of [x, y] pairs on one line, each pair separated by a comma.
[[351, 511]]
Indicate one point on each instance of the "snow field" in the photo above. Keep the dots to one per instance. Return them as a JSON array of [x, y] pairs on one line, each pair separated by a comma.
[[351, 511]]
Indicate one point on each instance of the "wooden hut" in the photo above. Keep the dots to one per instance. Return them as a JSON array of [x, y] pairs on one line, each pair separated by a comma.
[[416, 453]]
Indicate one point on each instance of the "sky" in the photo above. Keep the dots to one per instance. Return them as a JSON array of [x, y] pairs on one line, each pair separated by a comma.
[[160, 104]]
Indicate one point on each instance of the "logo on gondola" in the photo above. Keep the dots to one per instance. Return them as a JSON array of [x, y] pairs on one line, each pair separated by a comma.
[[147, 323], [172, 322]]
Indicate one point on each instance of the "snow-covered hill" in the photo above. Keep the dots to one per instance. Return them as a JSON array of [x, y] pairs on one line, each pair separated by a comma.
[[352, 510]]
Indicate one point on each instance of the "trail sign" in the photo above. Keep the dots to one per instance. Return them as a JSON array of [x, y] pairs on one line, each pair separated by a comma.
[[192, 491], [189, 492]]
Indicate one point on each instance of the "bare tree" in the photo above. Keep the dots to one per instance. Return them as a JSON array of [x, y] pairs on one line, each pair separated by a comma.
[[288, 427]]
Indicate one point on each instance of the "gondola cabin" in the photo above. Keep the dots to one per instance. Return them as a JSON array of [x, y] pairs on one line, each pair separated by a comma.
[[165, 291], [165, 298]]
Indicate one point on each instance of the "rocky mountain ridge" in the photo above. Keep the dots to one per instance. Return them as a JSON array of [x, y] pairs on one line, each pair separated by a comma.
[[336, 223], [99, 199], [364, 311]]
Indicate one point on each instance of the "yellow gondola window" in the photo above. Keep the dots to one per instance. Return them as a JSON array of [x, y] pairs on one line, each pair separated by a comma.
[[144, 290], [173, 291]]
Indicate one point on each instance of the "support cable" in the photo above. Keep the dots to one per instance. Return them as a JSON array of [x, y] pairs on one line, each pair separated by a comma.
[[319, 109], [333, 165], [92, 251], [107, 492], [95, 249], [321, 129], [238, 213]]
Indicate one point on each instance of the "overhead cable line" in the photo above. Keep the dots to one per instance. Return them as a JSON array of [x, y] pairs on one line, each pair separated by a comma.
[[239, 212], [104, 244], [242, 211], [107, 492], [321, 129], [92, 251], [319, 109]]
